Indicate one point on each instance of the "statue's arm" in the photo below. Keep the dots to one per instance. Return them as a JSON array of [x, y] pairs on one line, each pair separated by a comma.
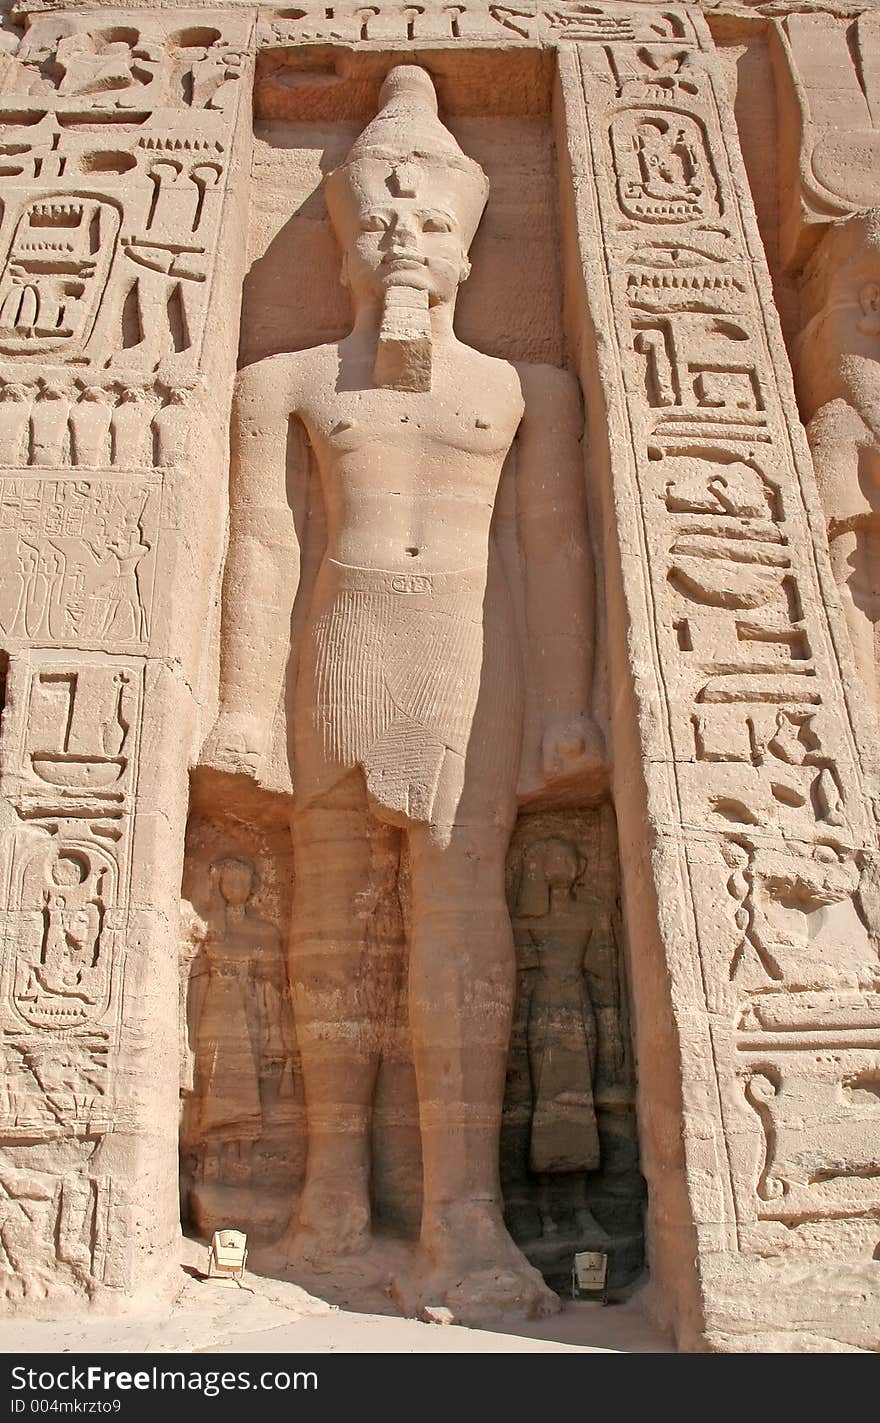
[[195, 991], [558, 566], [842, 447], [262, 564]]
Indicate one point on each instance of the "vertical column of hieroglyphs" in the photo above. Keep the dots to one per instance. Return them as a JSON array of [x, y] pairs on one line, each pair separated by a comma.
[[117, 347], [762, 840]]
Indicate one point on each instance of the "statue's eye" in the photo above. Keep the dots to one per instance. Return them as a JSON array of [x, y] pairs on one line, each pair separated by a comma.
[[435, 222]]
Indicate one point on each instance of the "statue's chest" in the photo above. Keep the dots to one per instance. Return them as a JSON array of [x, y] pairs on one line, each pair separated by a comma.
[[468, 422]]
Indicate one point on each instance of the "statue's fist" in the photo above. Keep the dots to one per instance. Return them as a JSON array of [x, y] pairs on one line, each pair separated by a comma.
[[235, 744], [572, 748]]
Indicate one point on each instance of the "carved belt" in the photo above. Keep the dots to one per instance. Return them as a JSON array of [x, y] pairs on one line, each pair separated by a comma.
[[345, 577]]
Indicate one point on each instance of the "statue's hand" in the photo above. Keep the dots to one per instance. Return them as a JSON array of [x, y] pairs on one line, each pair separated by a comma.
[[236, 744], [572, 749]]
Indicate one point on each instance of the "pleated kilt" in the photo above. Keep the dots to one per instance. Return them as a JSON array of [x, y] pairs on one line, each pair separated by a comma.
[[396, 670]]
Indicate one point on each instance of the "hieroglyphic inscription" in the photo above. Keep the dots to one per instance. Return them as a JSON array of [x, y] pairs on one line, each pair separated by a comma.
[[71, 781], [470, 21], [116, 131], [663, 167], [53, 1231], [111, 263], [56, 268], [764, 783]]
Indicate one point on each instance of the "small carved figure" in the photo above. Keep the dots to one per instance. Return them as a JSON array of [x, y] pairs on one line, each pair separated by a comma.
[[15, 399], [90, 427], [49, 431], [235, 1011], [117, 609], [562, 1025], [562, 1030], [39, 575]]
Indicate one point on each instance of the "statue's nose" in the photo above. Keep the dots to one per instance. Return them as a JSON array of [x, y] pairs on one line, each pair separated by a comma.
[[403, 237]]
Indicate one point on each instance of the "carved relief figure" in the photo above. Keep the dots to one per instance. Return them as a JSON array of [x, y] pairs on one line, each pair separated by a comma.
[[561, 1078], [839, 388], [562, 1028], [236, 1016], [118, 605], [409, 682], [76, 553]]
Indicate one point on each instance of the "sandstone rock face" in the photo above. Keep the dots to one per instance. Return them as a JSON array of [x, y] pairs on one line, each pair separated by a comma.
[[439, 705]]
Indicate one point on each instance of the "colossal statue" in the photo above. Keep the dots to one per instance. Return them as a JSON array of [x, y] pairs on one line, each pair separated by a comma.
[[839, 370], [442, 669]]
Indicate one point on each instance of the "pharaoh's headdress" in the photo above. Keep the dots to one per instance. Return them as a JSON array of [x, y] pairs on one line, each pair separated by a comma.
[[405, 151]]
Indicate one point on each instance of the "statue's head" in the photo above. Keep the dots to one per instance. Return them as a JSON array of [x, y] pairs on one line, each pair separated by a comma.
[[549, 865], [840, 290], [235, 879], [407, 201]]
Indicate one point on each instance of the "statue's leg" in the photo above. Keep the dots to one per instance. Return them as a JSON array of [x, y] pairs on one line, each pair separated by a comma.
[[342, 956], [461, 993]]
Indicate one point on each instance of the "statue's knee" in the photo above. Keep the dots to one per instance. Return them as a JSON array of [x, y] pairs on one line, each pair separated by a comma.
[[466, 862]]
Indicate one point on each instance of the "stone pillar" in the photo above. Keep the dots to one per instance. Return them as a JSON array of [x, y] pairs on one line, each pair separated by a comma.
[[747, 824], [124, 248]]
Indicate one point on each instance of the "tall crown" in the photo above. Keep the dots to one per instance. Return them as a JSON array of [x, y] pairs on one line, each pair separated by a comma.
[[406, 151]]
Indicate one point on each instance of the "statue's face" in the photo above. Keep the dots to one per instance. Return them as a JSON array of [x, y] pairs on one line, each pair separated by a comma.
[[235, 883], [406, 242], [854, 312], [852, 306]]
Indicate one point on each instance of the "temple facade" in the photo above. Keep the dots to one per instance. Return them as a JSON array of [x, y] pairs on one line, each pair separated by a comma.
[[439, 648]]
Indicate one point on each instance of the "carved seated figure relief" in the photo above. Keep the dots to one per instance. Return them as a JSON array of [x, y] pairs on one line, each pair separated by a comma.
[[839, 387], [426, 623]]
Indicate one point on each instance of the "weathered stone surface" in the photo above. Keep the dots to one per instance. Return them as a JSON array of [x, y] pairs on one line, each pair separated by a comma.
[[311, 819], [115, 390], [712, 511]]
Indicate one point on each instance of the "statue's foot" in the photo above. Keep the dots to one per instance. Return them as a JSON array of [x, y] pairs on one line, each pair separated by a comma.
[[468, 1262], [331, 1227], [590, 1228], [516, 1291]]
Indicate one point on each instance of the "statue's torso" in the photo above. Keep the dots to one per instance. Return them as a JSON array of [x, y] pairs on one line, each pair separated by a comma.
[[409, 479], [404, 637]]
